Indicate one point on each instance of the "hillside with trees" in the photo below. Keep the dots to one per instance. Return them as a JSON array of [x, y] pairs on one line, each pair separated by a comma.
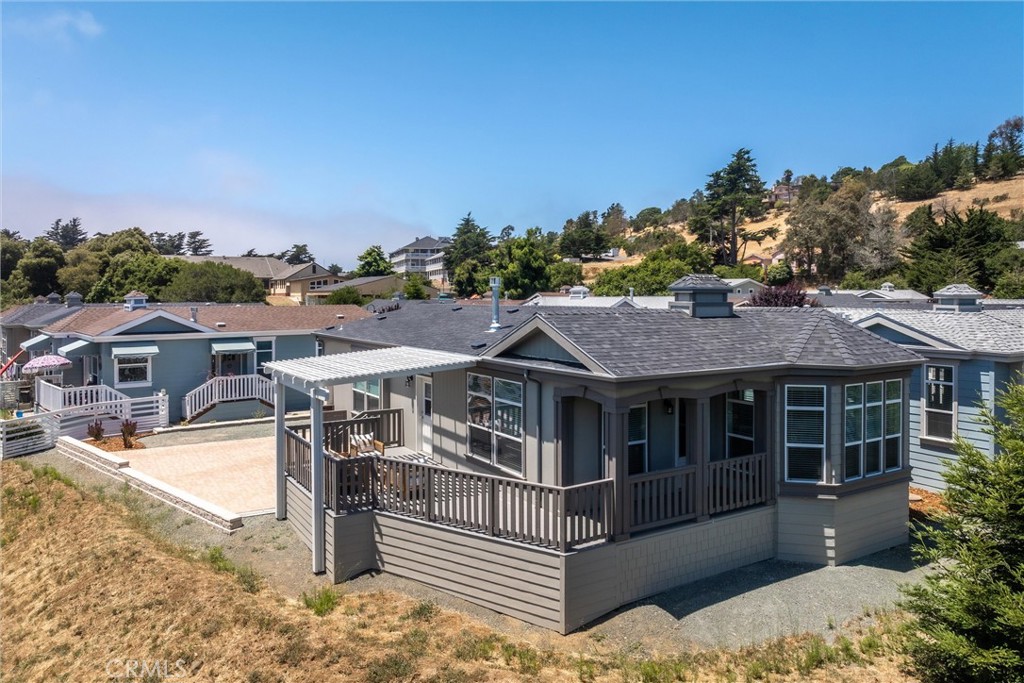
[[103, 268]]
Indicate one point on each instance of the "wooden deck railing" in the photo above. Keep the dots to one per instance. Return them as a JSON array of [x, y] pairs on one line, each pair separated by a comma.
[[737, 483], [297, 458], [384, 425], [662, 498], [560, 518]]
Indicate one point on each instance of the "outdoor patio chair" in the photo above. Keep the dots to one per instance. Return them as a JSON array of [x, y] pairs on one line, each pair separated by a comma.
[[364, 444]]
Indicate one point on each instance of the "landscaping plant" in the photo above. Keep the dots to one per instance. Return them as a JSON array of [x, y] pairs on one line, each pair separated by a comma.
[[970, 608], [95, 430], [128, 428]]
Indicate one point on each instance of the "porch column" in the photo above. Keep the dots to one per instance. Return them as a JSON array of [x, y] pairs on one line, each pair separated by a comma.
[[702, 457], [618, 468], [282, 506], [316, 480]]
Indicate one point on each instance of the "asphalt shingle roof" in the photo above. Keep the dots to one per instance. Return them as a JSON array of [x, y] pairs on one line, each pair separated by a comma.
[[262, 267], [995, 331], [439, 325], [237, 318], [637, 342]]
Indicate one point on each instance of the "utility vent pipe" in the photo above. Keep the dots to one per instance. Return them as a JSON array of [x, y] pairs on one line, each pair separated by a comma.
[[193, 311], [495, 303]]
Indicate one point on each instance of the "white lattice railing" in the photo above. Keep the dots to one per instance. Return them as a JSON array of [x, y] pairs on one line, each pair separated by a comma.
[[39, 432], [52, 397], [228, 388]]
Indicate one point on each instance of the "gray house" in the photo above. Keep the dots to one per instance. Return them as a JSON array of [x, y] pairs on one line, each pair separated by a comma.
[[555, 464], [971, 355], [208, 359]]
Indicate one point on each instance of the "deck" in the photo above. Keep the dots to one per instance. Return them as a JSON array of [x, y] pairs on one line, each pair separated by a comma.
[[562, 518]]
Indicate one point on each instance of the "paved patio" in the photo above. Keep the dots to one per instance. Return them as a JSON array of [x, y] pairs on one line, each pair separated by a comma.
[[237, 475]]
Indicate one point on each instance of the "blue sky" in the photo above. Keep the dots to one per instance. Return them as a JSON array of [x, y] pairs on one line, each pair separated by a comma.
[[340, 125]]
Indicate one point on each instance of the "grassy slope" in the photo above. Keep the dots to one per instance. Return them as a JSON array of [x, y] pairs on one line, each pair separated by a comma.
[[953, 199], [86, 580]]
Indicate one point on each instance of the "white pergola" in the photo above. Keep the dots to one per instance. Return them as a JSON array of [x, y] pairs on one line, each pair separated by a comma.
[[313, 376]]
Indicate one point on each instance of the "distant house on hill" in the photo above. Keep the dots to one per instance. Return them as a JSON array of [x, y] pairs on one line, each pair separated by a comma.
[[423, 255], [374, 285], [301, 279]]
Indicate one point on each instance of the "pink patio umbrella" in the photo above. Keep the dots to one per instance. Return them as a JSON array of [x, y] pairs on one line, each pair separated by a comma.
[[46, 363]]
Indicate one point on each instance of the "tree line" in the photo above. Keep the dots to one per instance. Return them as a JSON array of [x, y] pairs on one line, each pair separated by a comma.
[[103, 268]]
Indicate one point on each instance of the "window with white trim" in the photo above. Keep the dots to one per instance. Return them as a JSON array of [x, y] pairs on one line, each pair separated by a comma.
[[494, 415], [805, 433], [873, 425], [133, 371], [319, 348], [939, 402], [739, 423], [637, 439], [264, 354], [366, 395]]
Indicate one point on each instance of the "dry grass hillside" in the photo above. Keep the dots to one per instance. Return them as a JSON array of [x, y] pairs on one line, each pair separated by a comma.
[[92, 591], [1003, 197]]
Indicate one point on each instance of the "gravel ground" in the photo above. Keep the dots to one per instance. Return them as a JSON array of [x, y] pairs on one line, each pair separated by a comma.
[[744, 606]]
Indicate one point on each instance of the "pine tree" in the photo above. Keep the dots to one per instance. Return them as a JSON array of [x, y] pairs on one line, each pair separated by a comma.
[[67, 235], [970, 607]]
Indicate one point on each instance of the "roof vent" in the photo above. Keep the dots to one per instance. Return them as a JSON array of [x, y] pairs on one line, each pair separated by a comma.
[[511, 310], [72, 299], [53, 298], [340, 316], [135, 300], [382, 317], [222, 324], [478, 345], [888, 287], [825, 290], [193, 312], [701, 296], [579, 292], [957, 298], [456, 308]]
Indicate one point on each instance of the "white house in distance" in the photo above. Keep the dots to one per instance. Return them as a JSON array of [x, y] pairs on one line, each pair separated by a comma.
[[414, 257]]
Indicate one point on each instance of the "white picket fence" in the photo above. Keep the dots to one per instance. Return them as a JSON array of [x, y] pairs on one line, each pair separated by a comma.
[[227, 388], [36, 433]]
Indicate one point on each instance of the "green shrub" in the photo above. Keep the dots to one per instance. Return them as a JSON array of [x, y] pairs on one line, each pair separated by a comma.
[[322, 601]]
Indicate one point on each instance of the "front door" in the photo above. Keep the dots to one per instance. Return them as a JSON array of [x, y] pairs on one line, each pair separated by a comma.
[[425, 412]]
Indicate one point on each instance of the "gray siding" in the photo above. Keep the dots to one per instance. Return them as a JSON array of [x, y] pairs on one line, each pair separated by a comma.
[[512, 579], [871, 521], [829, 530], [350, 545], [599, 580], [298, 507]]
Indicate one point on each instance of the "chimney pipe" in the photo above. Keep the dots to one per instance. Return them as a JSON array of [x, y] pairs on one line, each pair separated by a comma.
[[630, 293], [495, 303], [192, 313]]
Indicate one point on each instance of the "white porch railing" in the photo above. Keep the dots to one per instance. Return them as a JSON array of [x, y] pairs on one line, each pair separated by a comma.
[[52, 397], [229, 388], [39, 432]]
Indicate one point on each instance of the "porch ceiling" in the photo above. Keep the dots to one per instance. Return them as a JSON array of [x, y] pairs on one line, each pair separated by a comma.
[[345, 368]]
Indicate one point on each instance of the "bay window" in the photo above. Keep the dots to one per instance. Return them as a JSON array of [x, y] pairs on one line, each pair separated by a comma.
[[805, 433], [873, 428]]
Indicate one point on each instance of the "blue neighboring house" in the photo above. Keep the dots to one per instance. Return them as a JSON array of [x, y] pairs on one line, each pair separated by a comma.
[[207, 358], [972, 354]]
